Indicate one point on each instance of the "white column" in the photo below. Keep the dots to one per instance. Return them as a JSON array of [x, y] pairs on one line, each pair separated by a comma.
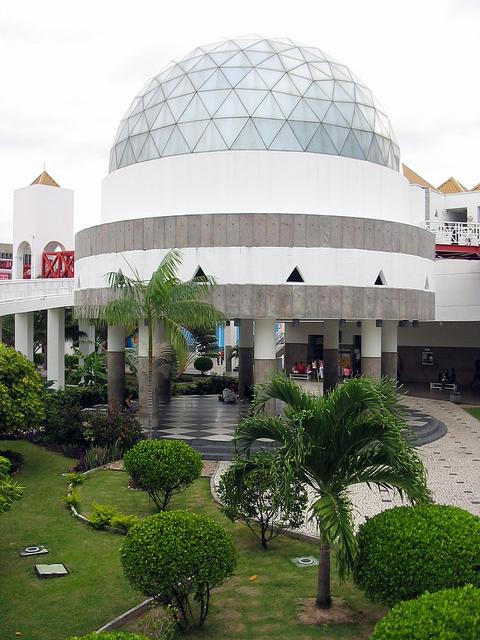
[[265, 349], [330, 355], [24, 334], [389, 348], [227, 348], [371, 349], [86, 343], [56, 347]]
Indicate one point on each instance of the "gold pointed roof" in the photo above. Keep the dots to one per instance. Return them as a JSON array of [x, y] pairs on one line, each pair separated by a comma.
[[414, 178], [45, 179], [476, 187], [452, 186]]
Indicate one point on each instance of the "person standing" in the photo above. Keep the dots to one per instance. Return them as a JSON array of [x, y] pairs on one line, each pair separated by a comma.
[[320, 369], [314, 371]]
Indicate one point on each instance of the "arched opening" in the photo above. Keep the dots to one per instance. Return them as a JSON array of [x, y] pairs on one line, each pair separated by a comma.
[[53, 246], [24, 260], [56, 261]]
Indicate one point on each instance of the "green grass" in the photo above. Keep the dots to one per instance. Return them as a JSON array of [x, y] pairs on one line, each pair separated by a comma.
[[242, 609], [473, 411]]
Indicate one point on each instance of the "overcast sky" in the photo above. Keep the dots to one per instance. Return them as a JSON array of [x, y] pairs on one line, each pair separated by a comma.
[[70, 69]]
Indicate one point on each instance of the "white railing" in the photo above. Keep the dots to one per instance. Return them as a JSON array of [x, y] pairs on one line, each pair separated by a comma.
[[17, 296], [464, 234]]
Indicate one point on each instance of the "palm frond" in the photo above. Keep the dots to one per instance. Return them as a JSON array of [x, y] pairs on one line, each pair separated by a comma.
[[252, 428], [278, 387], [174, 335], [126, 311]]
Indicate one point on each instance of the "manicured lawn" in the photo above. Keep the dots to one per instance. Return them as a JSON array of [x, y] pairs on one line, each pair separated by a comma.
[[473, 411], [54, 609], [242, 609]]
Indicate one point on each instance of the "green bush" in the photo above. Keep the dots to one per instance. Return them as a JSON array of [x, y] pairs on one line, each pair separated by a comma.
[[22, 403], [253, 492], [75, 478], [72, 499], [203, 364], [450, 614], [112, 635], [178, 557], [406, 551], [16, 459], [99, 456], [10, 491], [105, 429], [162, 468], [102, 515], [211, 385]]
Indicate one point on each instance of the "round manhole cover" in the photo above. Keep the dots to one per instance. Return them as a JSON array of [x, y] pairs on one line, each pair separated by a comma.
[[306, 562], [32, 549]]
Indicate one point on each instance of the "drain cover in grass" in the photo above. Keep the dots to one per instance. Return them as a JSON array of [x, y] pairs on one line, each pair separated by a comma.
[[34, 550], [305, 561], [51, 570]]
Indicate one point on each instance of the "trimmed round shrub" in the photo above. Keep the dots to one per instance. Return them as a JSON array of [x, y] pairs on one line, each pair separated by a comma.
[[162, 468], [450, 614], [111, 635], [22, 405], [203, 364], [178, 557], [406, 551]]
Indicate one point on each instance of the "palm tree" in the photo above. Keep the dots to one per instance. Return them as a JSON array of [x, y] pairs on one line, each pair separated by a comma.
[[355, 434], [165, 305]]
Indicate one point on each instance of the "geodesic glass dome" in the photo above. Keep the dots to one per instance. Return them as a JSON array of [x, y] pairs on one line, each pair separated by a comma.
[[255, 93]]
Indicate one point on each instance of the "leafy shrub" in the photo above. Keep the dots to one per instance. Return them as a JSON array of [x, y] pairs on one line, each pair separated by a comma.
[[105, 429], [10, 491], [22, 405], [162, 468], [16, 459], [450, 614], [212, 385], [114, 635], [178, 557], [203, 364], [406, 551], [75, 478], [38, 359], [252, 491], [124, 521], [102, 515], [72, 499]]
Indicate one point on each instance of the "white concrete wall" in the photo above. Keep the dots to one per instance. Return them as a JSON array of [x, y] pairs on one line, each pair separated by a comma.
[[259, 181], [269, 265], [457, 290], [439, 202], [41, 214], [21, 296]]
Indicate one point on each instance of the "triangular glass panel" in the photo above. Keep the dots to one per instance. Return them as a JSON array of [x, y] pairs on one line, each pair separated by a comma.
[[363, 95], [252, 80], [122, 133], [321, 90], [238, 60], [137, 143], [262, 45], [141, 126], [197, 52], [213, 99], [182, 88], [385, 146], [169, 86], [268, 108], [188, 63], [160, 138], [304, 131], [333, 116], [381, 124], [204, 63], [302, 84], [152, 113], [195, 111], [138, 108], [319, 107], [211, 140], [178, 105], [303, 112], [286, 102], [149, 86], [133, 121], [199, 274], [351, 148], [232, 107], [273, 63], [375, 154], [337, 135], [427, 284], [359, 121], [176, 144], [313, 54], [380, 281], [250, 98], [164, 118], [285, 140], [321, 143], [346, 109], [369, 114], [279, 45], [192, 131], [235, 74], [303, 71], [157, 97], [198, 78], [249, 138], [270, 76], [296, 53], [364, 139], [268, 128], [222, 56], [324, 67], [230, 128], [148, 97], [119, 149], [341, 72], [216, 81], [286, 85], [149, 151], [289, 63], [344, 91], [256, 57], [230, 45], [391, 158], [295, 276], [127, 157], [174, 72]]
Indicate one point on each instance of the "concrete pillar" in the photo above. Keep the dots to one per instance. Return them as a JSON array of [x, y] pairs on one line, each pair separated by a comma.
[[86, 343], [227, 349], [24, 334], [330, 355], [56, 347], [389, 348], [265, 349], [245, 354], [371, 349], [162, 371], [116, 366]]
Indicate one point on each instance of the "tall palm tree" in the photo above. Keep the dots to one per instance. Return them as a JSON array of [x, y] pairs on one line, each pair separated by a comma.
[[165, 305], [355, 434]]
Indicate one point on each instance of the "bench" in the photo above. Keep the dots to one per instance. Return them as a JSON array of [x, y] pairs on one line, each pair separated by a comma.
[[450, 386], [299, 376]]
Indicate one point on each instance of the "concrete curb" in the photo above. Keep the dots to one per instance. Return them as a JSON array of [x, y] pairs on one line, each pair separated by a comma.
[[128, 615]]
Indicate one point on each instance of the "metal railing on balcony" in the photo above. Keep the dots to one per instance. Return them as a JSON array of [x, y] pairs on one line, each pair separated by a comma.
[[462, 234]]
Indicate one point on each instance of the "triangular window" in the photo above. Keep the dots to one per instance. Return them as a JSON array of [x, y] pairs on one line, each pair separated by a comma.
[[427, 284], [295, 276], [199, 274], [380, 279]]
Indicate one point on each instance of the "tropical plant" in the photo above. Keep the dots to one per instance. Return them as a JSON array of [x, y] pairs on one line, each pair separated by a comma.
[[115, 635], [205, 340], [450, 614], [21, 392], [103, 429], [356, 434], [406, 551], [165, 304], [203, 364], [178, 557], [10, 490], [162, 468], [251, 491]]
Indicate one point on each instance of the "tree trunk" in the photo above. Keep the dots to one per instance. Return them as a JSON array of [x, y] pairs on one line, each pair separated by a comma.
[[324, 597]]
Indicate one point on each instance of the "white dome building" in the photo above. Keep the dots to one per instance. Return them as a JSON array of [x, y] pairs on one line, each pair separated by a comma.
[[272, 167]]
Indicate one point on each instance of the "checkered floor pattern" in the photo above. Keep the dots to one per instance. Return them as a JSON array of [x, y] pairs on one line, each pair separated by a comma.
[[208, 425]]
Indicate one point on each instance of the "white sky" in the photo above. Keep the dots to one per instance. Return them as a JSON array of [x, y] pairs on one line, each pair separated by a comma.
[[70, 69]]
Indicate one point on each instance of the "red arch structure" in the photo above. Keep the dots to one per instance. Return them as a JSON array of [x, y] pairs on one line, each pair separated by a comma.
[[58, 264]]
